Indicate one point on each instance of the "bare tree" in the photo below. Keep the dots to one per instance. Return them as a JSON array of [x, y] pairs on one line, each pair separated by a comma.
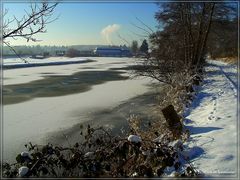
[[179, 46], [223, 41], [134, 47], [32, 23]]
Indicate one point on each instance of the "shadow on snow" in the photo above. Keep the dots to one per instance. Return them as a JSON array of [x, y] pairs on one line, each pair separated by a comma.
[[201, 130]]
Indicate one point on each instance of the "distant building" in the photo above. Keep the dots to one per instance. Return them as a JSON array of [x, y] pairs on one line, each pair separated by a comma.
[[86, 53], [126, 53], [41, 56], [37, 56], [60, 53], [111, 52]]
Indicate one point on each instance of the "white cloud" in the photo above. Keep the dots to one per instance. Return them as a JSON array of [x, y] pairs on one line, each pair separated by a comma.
[[108, 30]]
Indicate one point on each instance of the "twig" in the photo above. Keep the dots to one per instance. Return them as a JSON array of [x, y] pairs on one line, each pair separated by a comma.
[[12, 49]]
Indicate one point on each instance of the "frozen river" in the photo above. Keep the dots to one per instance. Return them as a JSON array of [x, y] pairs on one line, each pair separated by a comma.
[[41, 100]]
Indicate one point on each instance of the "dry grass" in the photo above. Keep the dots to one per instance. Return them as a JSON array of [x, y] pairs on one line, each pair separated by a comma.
[[154, 129], [230, 60]]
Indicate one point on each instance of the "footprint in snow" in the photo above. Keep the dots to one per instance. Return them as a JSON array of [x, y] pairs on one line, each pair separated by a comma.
[[221, 92], [228, 157], [214, 98], [211, 114], [211, 117]]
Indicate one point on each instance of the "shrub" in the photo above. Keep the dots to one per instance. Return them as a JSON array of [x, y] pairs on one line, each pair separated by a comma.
[[72, 53], [103, 155]]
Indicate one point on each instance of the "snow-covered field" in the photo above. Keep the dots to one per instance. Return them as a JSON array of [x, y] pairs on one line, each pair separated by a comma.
[[18, 61], [11, 63], [25, 75], [213, 122], [33, 120]]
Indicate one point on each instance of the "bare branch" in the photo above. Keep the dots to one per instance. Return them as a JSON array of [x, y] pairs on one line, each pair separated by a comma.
[[143, 29], [12, 49], [123, 38], [31, 24], [140, 35], [145, 24]]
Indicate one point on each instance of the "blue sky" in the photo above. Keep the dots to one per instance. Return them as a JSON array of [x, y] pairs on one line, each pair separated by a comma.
[[82, 23]]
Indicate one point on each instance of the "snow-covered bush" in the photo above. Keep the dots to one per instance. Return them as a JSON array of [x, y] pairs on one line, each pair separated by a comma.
[[134, 139], [89, 155], [25, 154], [103, 155], [22, 171]]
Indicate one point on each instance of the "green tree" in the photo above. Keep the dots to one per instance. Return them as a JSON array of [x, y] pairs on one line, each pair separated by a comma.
[[134, 47], [144, 47]]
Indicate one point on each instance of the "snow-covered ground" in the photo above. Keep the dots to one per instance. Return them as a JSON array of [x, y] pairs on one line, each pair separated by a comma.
[[213, 122], [25, 75], [17, 61], [13, 63], [33, 120], [212, 118]]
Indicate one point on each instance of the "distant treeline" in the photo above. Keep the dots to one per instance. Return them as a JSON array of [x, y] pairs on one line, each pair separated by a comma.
[[36, 50]]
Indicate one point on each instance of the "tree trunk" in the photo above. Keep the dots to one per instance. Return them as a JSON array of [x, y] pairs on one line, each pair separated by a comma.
[[199, 39], [203, 48]]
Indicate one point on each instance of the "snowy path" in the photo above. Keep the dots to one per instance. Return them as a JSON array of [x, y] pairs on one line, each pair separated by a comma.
[[212, 122]]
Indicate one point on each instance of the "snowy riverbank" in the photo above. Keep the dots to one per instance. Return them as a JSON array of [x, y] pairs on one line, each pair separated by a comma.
[[212, 118], [213, 122]]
